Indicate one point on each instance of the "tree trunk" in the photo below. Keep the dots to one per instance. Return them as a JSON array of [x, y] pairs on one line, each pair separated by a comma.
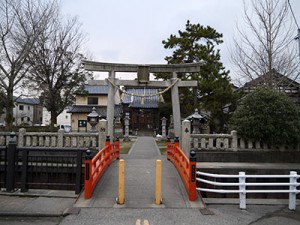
[[9, 109], [53, 123]]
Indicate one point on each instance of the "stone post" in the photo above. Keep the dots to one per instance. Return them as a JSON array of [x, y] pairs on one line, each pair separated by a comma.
[[186, 137], [171, 128], [126, 123], [234, 141], [102, 133], [164, 128], [21, 136], [60, 138]]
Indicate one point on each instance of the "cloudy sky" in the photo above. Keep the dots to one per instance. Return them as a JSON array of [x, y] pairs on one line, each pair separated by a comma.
[[132, 31]]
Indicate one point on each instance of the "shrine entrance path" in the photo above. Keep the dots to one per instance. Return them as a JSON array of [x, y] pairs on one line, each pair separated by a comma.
[[140, 181]]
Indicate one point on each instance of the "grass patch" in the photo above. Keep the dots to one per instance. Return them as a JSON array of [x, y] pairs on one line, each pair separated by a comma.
[[125, 146], [162, 146]]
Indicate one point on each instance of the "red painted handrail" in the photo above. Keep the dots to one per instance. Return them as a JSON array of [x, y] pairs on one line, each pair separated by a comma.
[[95, 167], [185, 167]]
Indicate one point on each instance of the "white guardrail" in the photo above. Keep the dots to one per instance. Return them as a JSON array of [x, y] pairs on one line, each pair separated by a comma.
[[242, 184]]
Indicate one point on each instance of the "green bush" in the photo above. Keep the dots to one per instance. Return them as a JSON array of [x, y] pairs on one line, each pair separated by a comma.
[[269, 116]]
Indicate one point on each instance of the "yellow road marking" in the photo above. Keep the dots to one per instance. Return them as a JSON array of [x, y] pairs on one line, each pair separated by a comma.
[[145, 222]]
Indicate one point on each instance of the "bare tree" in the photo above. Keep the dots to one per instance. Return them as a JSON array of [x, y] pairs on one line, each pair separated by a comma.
[[56, 64], [21, 21], [266, 44]]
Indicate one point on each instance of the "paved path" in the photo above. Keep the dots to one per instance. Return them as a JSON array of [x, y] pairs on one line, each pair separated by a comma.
[[140, 181]]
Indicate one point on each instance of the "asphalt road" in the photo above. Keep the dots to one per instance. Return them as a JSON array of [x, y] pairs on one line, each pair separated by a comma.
[[222, 215]]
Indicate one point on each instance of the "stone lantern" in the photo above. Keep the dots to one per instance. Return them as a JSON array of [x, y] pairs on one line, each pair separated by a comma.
[[93, 119], [196, 119]]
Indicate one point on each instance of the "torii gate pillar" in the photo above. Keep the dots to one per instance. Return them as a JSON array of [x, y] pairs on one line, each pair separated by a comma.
[[176, 106], [110, 114]]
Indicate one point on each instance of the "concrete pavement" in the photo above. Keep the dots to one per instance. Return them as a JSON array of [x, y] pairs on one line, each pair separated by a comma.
[[36, 203]]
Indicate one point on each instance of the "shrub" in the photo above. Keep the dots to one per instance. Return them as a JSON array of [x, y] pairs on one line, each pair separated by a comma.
[[269, 116]]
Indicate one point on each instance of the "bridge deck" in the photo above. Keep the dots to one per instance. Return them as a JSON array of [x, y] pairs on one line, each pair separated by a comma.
[[140, 181]]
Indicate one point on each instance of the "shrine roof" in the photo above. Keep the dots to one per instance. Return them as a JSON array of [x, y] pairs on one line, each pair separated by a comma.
[[96, 89], [150, 102]]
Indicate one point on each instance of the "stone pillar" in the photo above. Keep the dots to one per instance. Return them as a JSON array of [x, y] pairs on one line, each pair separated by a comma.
[[176, 107], [21, 135], [111, 106], [186, 137], [126, 123], [171, 128], [102, 133], [60, 138], [164, 128], [234, 141]]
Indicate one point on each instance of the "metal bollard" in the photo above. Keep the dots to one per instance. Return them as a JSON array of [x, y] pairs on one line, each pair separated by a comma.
[[158, 199], [121, 196]]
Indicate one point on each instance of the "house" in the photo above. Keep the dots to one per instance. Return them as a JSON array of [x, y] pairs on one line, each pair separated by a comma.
[[282, 83], [92, 96], [64, 118], [143, 111], [27, 111]]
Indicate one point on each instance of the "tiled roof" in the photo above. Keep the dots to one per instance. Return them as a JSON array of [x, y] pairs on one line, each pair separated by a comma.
[[28, 101], [101, 110], [136, 102], [96, 89]]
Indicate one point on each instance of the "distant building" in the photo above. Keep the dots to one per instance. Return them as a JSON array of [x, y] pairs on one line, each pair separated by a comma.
[[64, 118], [92, 96], [282, 83], [27, 111]]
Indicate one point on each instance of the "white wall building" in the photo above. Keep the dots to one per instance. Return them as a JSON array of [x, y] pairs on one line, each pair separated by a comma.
[[27, 111], [63, 119]]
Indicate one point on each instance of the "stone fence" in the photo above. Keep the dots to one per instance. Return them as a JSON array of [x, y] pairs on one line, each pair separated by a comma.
[[52, 139], [226, 142]]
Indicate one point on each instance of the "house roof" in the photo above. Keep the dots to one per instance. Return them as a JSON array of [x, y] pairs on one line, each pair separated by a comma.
[[136, 101], [275, 78], [96, 89], [101, 110], [27, 101]]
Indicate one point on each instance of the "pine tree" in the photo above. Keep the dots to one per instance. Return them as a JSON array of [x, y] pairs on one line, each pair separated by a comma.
[[195, 44]]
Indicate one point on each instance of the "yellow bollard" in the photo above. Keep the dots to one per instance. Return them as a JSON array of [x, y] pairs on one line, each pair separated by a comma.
[[158, 199], [121, 198]]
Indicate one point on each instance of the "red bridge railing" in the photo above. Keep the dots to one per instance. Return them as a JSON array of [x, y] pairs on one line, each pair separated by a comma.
[[185, 166], [96, 166]]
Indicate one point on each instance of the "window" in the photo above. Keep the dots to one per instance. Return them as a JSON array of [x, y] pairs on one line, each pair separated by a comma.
[[82, 123], [28, 107], [92, 101], [21, 107]]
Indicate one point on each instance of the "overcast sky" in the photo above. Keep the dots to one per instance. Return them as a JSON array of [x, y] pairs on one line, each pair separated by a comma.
[[132, 31]]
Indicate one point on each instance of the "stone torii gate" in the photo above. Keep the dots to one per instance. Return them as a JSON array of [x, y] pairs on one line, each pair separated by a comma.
[[143, 81]]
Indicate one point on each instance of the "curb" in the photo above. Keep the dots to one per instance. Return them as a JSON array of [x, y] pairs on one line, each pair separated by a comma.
[[68, 211], [30, 214]]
